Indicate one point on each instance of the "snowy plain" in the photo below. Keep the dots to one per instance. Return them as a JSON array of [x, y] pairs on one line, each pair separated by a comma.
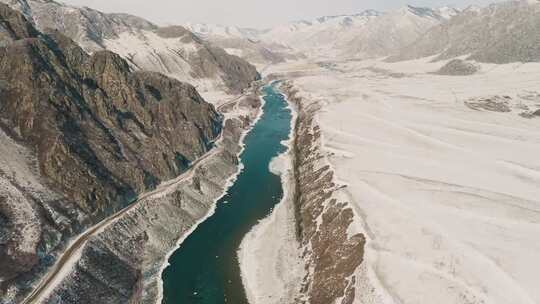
[[448, 195]]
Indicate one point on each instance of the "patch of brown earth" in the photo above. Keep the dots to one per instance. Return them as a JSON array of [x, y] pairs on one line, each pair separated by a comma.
[[493, 104]]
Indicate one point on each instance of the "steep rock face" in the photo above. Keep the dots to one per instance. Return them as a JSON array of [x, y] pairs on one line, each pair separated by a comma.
[[238, 73], [173, 51], [323, 217], [13, 26], [500, 33], [134, 247], [83, 136]]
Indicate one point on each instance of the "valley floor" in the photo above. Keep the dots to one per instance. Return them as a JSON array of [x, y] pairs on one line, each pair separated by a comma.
[[443, 174]]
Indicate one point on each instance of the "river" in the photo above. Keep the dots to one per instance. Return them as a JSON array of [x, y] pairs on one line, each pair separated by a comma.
[[205, 269]]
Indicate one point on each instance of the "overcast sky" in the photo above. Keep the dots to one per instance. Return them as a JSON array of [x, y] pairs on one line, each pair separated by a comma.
[[252, 13]]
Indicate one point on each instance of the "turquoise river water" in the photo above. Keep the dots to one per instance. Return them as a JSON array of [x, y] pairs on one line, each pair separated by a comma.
[[205, 269]]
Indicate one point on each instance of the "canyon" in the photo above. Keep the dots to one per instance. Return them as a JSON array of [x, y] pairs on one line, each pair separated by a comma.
[[409, 176]]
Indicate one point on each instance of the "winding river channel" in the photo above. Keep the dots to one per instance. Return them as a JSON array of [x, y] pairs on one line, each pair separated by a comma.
[[205, 268]]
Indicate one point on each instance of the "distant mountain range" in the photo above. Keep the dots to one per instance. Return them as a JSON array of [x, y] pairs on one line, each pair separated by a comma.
[[197, 53], [367, 34], [500, 33]]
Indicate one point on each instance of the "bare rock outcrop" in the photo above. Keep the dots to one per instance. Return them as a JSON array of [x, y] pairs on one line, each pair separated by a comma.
[[323, 219], [458, 67]]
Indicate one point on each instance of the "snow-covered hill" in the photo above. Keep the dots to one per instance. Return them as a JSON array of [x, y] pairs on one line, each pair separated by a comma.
[[500, 33], [212, 30], [364, 35], [390, 32], [320, 35], [367, 34], [244, 42], [173, 51]]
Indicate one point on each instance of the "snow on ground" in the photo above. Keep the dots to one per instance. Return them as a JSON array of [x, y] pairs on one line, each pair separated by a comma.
[[236, 52], [18, 173], [148, 51], [449, 195]]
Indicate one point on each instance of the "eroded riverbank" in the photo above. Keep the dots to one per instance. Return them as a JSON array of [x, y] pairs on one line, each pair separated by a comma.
[[306, 251]]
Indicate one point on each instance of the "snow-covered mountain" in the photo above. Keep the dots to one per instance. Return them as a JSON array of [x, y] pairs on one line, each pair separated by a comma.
[[384, 35], [319, 35], [212, 30], [364, 35], [173, 50], [500, 33], [367, 34], [244, 42]]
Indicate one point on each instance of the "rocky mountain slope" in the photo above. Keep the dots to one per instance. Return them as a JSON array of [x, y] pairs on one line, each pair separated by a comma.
[[173, 51], [80, 137], [500, 33], [363, 35]]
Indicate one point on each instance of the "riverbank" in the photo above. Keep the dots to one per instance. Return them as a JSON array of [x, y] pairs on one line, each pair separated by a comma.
[[310, 248], [327, 227], [269, 255], [129, 254]]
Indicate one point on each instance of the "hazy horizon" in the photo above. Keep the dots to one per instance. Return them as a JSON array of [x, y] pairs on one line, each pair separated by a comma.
[[249, 13]]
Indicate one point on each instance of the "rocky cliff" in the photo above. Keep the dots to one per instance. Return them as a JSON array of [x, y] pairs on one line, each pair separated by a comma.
[[81, 137], [323, 216], [173, 51], [123, 263]]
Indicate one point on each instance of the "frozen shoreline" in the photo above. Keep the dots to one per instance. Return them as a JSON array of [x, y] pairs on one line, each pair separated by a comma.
[[264, 280]]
